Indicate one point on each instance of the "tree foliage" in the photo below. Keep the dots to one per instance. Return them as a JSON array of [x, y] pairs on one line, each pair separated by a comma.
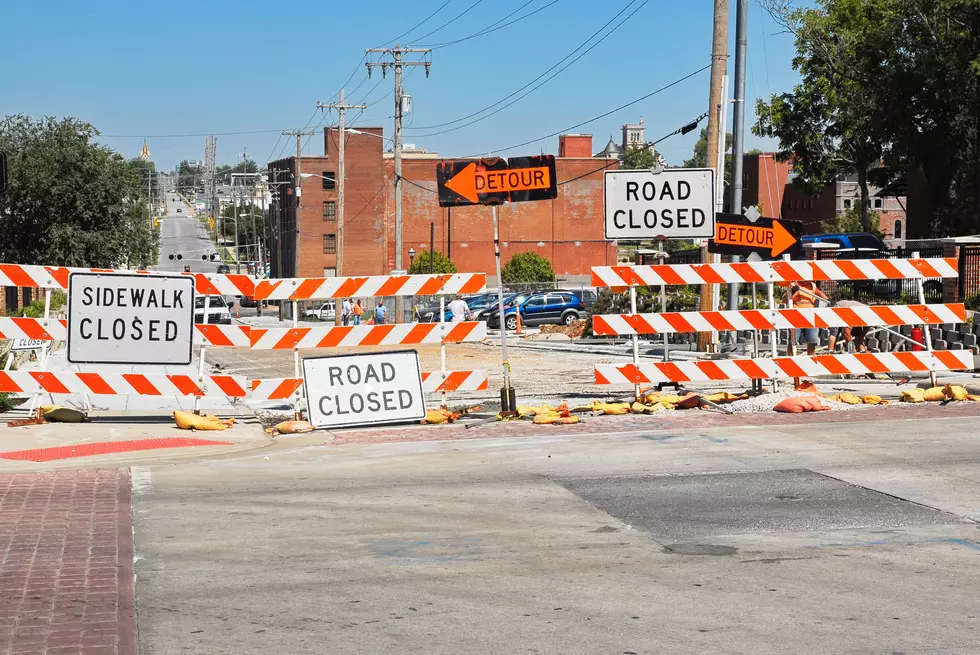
[[699, 159], [70, 201], [895, 81], [637, 157], [851, 220], [440, 263], [527, 268], [246, 235]]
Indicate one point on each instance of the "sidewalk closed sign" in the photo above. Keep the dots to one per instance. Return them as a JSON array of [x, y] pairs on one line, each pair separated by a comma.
[[130, 319], [349, 390], [677, 203]]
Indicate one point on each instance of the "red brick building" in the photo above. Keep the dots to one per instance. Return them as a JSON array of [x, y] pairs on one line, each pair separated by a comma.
[[568, 230]]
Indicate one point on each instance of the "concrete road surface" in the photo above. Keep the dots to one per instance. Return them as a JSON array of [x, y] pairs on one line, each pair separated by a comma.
[[184, 234], [822, 538]]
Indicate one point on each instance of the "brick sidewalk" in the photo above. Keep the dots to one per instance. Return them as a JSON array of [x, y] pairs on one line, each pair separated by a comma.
[[66, 563]]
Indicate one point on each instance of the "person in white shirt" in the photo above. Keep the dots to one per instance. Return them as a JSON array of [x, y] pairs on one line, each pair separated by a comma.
[[460, 310], [346, 311]]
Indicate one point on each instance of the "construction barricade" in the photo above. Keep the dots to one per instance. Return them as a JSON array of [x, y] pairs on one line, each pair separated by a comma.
[[772, 319]]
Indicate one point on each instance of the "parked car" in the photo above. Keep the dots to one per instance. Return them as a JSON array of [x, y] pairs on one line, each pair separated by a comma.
[[179, 210], [224, 269], [587, 296], [218, 313], [325, 312], [247, 301], [509, 299], [430, 313], [542, 308], [857, 240]]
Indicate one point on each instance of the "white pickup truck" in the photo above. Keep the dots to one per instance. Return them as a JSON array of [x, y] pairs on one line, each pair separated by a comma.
[[325, 312]]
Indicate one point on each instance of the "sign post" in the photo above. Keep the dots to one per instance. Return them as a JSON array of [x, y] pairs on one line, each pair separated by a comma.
[[349, 390], [130, 319], [677, 203], [494, 181]]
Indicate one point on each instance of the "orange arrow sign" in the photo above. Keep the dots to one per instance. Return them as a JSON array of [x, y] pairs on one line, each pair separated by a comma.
[[471, 181], [776, 238]]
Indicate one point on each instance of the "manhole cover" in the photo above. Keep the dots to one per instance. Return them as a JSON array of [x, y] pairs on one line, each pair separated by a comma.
[[794, 500]]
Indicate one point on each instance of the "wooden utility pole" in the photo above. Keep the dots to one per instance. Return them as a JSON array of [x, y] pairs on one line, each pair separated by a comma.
[[716, 135], [341, 178], [392, 58]]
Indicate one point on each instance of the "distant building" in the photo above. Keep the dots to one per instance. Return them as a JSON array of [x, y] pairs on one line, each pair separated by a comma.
[[633, 135]]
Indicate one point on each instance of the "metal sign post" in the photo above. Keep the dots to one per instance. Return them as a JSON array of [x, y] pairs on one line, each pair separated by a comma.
[[507, 394]]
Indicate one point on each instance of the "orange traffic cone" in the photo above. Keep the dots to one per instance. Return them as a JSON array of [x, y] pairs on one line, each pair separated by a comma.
[[518, 315]]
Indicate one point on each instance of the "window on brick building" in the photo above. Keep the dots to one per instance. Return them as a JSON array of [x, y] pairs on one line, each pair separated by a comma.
[[898, 229], [877, 203], [329, 210], [847, 203], [329, 244], [329, 181]]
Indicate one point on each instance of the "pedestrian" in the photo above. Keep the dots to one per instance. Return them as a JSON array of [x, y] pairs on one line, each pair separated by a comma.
[[460, 310], [846, 335], [358, 310], [379, 313], [345, 312], [806, 295]]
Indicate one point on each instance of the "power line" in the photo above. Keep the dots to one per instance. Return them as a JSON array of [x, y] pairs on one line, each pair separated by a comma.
[[496, 26], [424, 21], [183, 136], [539, 77], [449, 22], [603, 115]]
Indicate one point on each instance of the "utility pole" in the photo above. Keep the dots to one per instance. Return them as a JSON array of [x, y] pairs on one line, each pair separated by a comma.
[[738, 127], [297, 182], [392, 58], [341, 108], [716, 135]]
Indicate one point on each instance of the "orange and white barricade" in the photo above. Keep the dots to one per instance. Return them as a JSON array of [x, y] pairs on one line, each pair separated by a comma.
[[775, 367], [119, 384], [432, 382], [12, 327]]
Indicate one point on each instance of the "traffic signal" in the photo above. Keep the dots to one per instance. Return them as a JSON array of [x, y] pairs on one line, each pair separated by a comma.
[[175, 255]]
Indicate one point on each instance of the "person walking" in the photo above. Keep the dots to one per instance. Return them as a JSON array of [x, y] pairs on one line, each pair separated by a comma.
[[460, 310], [379, 313], [358, 310], [345, 315], [805, 295]]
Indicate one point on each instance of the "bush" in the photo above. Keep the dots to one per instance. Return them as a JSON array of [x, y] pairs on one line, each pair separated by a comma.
[[36, 308], [527, 268], [973, 302], [5, 403], [440, 264]]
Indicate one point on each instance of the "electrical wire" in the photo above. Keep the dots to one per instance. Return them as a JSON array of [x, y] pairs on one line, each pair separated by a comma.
[[493, 27], [604, 114], [424, 21], [449, 22], [539, 77]]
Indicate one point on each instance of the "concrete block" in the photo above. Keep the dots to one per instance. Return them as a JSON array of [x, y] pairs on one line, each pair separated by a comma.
[[952, 336], [939, 344], [969, 340], [936, 334], [956, 346]]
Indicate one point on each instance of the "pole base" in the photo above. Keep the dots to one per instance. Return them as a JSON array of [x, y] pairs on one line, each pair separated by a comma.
[[508, 399]]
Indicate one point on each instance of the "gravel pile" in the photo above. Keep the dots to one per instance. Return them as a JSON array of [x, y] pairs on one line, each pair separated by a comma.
[[766, 402]]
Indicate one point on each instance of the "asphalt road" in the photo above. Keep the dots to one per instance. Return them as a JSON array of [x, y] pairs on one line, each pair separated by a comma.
[[184, 234], [821, 538]]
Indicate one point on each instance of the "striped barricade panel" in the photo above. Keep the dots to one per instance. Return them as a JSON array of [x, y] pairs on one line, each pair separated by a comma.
[[432, 382], [778, 319], [783, 367], [57, 330], [370, 287], [122, 384], [52, 277], [783, 271], [402, 334]]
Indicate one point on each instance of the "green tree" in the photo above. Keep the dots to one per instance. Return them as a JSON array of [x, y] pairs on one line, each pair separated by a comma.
[[851, 220], [699, 159], [189, 177], [636, 157], [440, 264], [246, 235], [527, 268], [72, 202]]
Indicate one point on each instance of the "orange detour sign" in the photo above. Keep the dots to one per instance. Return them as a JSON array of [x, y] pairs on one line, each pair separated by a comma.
[[767, 237], [495, 181]]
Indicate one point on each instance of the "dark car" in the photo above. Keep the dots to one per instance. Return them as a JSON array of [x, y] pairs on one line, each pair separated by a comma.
[[543, 308], [247, 301], [224, 269], [430, 313]]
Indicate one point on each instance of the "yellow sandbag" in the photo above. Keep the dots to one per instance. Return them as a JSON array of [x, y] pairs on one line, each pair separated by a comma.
[[191, 421], [973, 397], [439, 417], [652, 397], [59, 414], [871, 399], [639, 408], [847, 398], [955, 392], [548, 419], [933, 394], [293, 427], [723, 397], [912, 396], [670, 400], [612, 409]]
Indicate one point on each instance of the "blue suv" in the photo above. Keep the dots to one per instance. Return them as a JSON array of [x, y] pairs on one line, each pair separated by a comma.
[[541, 308]]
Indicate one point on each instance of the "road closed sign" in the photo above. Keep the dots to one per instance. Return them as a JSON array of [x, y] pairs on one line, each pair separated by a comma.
[[350, 390], [130, 319], [677, 203]]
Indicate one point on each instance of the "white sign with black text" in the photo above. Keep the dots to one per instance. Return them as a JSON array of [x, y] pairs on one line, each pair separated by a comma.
[[349, 390], [28, 344], [677, 203], [130, 319]]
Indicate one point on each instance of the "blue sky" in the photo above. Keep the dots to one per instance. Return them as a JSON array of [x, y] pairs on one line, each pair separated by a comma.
[[183, 67]]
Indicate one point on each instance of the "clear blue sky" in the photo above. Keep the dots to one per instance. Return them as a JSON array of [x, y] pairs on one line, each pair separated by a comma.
[[216, 66]]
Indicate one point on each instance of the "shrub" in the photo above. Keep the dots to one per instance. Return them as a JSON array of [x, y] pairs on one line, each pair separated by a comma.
[[527, 268], [440, 264]]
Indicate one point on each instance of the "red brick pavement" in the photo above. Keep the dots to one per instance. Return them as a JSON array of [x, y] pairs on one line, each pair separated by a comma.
[[66, 563]]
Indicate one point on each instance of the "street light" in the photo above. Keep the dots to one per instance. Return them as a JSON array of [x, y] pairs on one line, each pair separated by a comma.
[[411, 257]]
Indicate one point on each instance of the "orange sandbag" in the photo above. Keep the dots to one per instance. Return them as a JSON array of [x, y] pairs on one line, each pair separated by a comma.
[[800, 404], [808, 386], [690, 401]]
